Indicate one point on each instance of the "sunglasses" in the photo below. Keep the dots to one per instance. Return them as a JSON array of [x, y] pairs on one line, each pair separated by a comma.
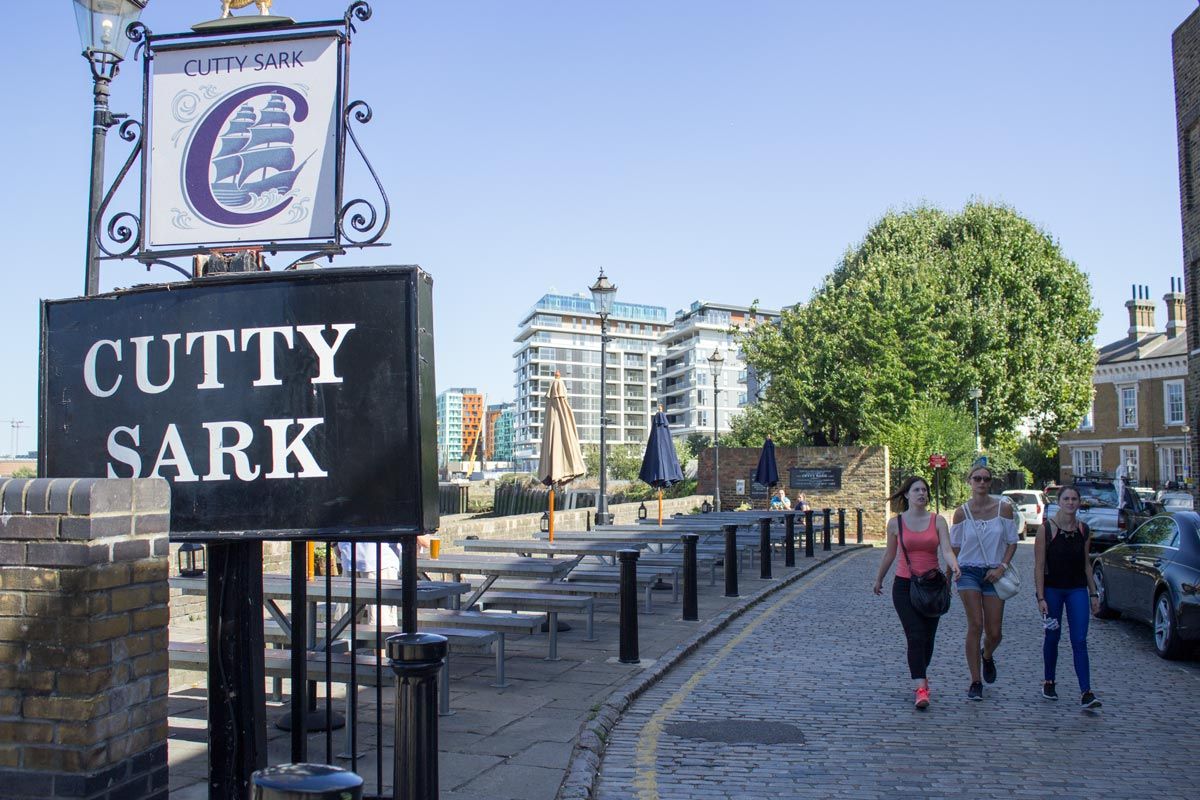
[[981, 478]]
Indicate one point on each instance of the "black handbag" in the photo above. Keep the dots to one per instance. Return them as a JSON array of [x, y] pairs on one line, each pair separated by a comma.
[[928, 592]]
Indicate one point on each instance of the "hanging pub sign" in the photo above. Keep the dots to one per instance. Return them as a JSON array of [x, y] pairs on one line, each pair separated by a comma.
[[293, 405], [243, 140]]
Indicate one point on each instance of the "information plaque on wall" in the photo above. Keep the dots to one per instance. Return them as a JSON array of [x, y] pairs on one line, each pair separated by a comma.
[[815, 478], [295, 405]]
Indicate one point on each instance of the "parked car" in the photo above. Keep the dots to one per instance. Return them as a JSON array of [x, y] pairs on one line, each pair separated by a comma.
[[1175, 501], [1032, 504], [1153, 576], [1105, 516], [1145, 494]]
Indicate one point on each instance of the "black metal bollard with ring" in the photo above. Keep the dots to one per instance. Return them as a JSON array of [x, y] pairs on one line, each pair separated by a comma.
[[841, 527], [691, 607], [827, 536], [305, 782], [764, 548], [416, 658], [809, 533], [628, 610], [858, 539], [789, 540], [731, 582]]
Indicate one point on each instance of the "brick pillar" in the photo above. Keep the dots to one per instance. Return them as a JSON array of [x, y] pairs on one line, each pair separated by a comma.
[[83, 638]]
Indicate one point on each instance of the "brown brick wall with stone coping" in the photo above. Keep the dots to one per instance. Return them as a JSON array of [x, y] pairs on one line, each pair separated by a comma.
[[83, 638], [864, 480]]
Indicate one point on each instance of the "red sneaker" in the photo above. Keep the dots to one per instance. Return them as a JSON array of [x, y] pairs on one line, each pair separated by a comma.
[[922, 701]]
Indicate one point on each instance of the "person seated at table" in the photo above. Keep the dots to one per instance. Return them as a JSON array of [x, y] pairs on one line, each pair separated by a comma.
[[801, 504], [362, 558], [780, 501]]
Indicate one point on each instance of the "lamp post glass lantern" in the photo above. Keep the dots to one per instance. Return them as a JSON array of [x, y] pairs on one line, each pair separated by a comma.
[[102, 25], [190, 559], [603, 292], [716, 360]]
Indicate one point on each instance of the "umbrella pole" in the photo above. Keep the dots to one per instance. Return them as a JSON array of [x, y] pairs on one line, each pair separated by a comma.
[[660, 508], [551, 514]]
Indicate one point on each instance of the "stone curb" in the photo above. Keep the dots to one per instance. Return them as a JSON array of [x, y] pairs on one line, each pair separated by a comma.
[[583, 769]]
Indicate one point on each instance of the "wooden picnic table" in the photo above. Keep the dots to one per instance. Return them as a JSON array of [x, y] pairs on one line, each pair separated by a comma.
[[276, 587], [491, 568], [538, 547]]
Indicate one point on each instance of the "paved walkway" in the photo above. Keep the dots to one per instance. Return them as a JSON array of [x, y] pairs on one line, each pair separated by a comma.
[[823, 662]]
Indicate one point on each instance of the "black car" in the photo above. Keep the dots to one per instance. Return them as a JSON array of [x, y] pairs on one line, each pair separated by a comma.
[[1153, 575]]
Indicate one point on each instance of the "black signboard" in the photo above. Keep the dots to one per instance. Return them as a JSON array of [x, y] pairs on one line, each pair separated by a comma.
[[295, 405], [815, 478], [758, 491]]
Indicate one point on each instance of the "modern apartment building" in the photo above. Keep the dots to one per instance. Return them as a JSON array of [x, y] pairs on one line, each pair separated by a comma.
[[498, 436], [685, 376], [459, 424], [1139, 416], [561, 333]]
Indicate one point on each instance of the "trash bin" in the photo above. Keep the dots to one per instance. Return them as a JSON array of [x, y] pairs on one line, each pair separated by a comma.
[[305, 782]]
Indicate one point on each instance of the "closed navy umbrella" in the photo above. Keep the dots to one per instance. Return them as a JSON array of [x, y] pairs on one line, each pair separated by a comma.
[[660, 465], [766, 473]]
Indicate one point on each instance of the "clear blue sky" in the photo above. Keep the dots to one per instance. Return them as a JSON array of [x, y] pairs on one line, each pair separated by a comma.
[[696, 149]]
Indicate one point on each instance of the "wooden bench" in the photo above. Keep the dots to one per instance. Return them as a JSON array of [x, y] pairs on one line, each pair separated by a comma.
[[596, 590], [552, 604], [456, 638], [646, 578]]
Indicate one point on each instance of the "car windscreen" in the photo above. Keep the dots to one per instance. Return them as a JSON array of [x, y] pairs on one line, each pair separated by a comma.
[[1025, 498], [1181, 502], [1098, 495]]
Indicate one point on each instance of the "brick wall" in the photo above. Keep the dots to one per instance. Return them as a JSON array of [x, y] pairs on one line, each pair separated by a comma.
[[864, 479], [83, 638], [1185, 47]]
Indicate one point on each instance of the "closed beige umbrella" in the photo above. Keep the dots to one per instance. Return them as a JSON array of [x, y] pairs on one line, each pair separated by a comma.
[[561, 460]]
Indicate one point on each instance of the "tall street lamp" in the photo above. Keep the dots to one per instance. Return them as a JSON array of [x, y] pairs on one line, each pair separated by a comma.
[[603, 292], [1187, 455], [975, 394], [102, 25], [715, 361]]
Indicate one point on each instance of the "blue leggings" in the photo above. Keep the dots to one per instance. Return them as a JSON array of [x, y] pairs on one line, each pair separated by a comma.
[[1078, 610]]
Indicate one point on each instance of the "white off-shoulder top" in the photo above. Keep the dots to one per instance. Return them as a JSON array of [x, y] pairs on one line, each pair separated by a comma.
[[982, 542]]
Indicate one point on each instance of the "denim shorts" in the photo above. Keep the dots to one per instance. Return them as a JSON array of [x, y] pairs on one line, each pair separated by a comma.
[[972, 581]]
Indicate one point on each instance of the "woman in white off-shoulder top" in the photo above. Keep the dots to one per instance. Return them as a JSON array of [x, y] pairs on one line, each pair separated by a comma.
[[984, 537]]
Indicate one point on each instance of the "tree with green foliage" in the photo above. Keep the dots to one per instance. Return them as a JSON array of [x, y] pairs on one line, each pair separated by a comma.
[[928, 306], [624, 460], [1039, 455]]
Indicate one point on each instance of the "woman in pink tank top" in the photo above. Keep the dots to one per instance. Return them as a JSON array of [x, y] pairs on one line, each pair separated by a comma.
[[925, 535]]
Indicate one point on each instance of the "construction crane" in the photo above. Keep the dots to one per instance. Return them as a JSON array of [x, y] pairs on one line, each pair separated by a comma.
[[469, 453]]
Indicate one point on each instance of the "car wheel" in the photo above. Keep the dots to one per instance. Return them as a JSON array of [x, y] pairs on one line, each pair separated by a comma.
[[1166, 633], [1106, 611]]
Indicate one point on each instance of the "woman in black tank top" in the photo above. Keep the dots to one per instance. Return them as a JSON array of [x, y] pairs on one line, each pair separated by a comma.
[[1063, 573]]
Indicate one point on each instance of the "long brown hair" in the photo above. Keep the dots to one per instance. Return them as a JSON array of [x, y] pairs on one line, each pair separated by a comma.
[[902, 493]]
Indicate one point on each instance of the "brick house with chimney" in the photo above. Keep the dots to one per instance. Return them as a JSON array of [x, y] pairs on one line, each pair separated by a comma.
[[1139, 414]]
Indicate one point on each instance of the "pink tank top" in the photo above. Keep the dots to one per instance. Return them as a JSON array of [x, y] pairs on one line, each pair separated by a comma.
[[922, 547]]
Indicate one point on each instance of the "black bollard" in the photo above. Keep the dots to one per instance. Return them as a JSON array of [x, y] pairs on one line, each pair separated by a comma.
[[858, 538], [691, 607], [841, 527], [731, 587], [764, 548], [827, 536], [808, 533], [416, 659], [789, 540], [629, 612], [302, 781]]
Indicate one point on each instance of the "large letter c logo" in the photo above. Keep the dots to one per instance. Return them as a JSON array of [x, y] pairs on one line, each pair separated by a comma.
[[199, 153]]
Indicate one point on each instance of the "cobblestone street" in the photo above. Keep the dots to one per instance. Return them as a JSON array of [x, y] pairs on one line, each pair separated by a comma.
[[827, 656]]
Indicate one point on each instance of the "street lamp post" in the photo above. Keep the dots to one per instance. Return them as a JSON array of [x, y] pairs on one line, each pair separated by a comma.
[[602, 298], [1187, 455], [715, 361], [975, 394], [102, 25]]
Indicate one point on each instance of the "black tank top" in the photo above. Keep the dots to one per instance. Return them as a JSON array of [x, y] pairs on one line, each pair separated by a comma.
[[1064, 557]]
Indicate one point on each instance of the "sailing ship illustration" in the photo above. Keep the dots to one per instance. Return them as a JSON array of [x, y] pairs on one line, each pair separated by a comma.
[[256, 154]]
